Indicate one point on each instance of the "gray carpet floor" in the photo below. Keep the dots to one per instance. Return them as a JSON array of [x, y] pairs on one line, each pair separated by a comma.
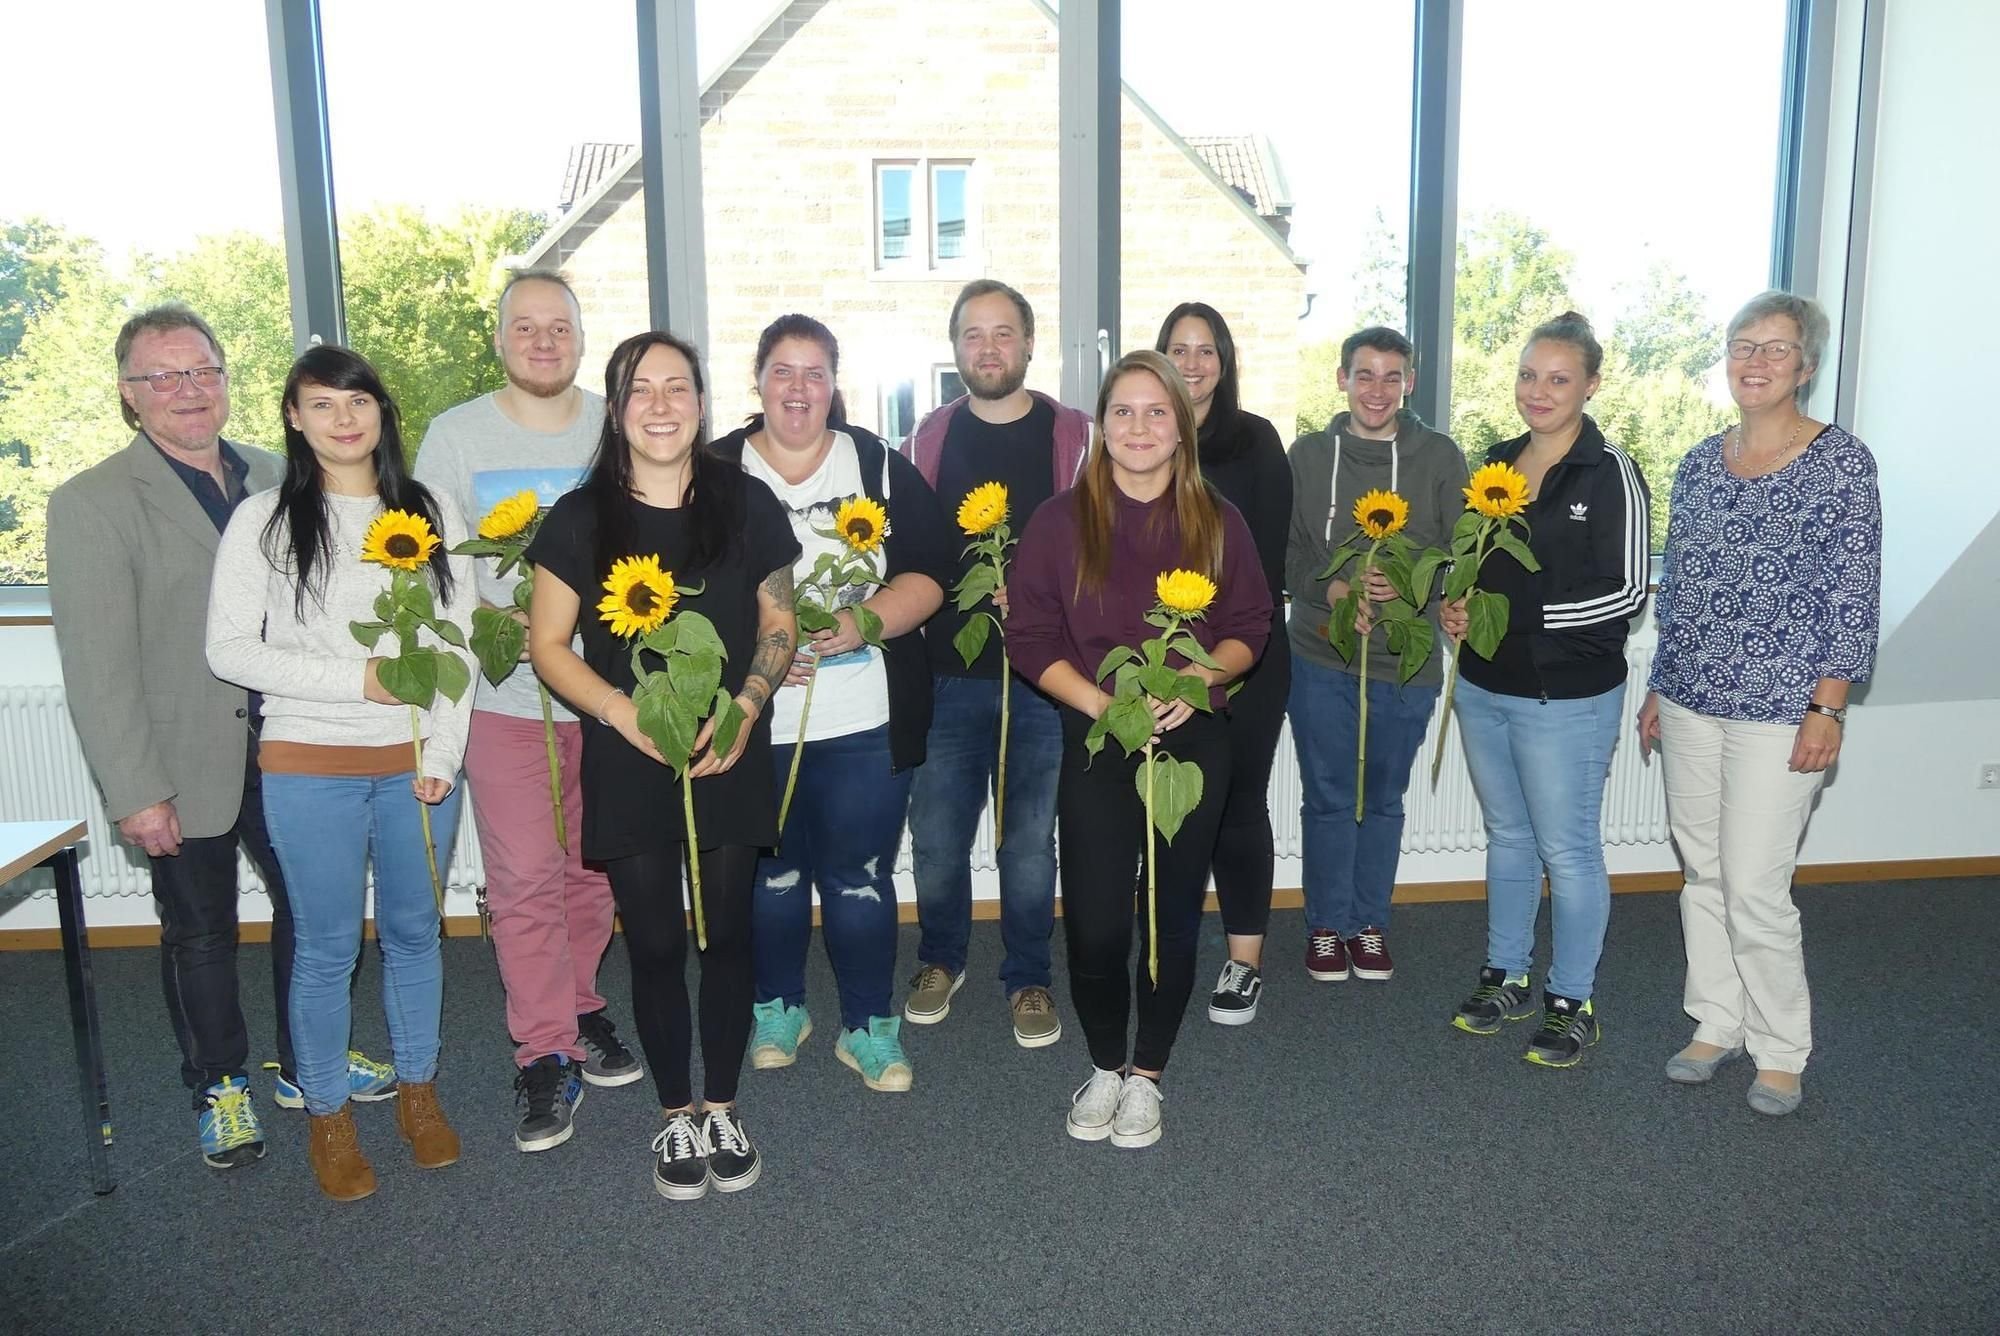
[[1349, 1162]]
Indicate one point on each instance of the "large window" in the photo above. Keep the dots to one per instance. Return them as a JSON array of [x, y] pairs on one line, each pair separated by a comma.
[[1638, 192], [1265, 171], [114, 198]]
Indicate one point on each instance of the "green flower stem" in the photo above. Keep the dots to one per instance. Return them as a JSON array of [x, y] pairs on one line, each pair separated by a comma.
[[1152, 885], [694, 862], [1000, 779], [1451, 663], [1361, 743], [424, 808], [555, 766], [798, 751]]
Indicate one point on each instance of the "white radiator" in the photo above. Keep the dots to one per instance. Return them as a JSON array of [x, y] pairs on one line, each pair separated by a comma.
[[43, 778]]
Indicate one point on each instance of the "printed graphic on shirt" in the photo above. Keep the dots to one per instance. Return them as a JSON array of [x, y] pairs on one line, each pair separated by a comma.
[[810, 524], [549, 484]]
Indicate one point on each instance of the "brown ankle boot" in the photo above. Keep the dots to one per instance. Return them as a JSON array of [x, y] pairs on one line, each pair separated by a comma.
[[337, 1162], [422, 1124]]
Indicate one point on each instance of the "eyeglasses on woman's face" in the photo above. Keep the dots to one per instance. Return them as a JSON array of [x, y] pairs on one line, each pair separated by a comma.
[[1776, 351]]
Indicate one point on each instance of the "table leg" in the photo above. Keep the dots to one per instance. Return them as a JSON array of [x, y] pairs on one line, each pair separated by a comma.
[[83, 1021]]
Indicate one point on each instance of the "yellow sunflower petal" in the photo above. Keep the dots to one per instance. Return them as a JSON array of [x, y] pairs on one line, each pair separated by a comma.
[[638, 597], [399, 540], [1497, 491], [984, 507], [1381, 513], [861, 523], [1187, 593], [510, 516]]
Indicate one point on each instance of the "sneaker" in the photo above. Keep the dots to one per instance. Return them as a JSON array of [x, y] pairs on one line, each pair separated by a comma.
[[1036, 1024], [609, 1062], [1094, 1104], [368, 1082], [733, 1163], [681, 1172], [1326, 956], [1369, 954], [877, 1053], [1137, 1122], [1236, 994], [548, 1089], [779, 1032], [931, 991], [230, 1134], [1498, 998], [1568, 1027]]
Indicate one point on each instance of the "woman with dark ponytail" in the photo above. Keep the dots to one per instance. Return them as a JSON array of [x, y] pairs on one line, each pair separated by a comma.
[[336, 745]]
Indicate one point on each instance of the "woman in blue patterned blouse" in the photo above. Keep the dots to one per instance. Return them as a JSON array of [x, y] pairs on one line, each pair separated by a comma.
[[1768, 610]]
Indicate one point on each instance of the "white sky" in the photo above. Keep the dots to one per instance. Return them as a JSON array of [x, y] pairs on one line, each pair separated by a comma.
[[1629, 131]]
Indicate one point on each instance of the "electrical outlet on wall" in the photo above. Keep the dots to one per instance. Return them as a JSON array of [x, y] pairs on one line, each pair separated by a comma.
[[1989, 775]]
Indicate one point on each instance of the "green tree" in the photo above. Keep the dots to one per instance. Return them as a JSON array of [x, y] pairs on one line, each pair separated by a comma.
[[38, 260], [1381, 282], [1319, 391], [1665, 327], [1510, 279]]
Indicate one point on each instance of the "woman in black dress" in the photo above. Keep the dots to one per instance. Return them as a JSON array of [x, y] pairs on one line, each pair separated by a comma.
[[654, 488]]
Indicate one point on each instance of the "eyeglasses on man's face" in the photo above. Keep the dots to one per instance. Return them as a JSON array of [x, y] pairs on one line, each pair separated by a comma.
[[169, 382], [1774, 350]]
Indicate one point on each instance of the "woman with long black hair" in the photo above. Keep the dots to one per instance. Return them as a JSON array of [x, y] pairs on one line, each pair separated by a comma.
[[336, 744], [655, 488]]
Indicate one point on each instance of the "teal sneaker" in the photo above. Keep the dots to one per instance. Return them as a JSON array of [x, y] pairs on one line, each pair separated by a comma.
[[368, 1082], [779, 1032], [230, 1134], [877, 1053]]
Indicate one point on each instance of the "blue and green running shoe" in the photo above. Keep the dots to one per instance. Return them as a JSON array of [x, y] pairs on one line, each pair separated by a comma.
[[230, 1134]]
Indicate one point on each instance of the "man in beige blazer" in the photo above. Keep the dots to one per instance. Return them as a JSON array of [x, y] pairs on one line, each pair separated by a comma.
[[131, 545]]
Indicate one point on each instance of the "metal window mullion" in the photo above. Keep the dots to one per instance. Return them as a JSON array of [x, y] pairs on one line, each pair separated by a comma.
[[305, 172], [1088, 170], [1798, 209], [670, 166], [1433, 251], [1861, 202]]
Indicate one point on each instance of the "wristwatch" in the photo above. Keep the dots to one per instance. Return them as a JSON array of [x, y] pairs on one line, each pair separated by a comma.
[[1836, 713]]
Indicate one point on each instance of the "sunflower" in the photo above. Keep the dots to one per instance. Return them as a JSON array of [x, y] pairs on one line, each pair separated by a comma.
[[1185, 593], [1381, 513], [639, 596], [1497, 491], [861, 523], [510, 516], [984, 507], [399, 540]]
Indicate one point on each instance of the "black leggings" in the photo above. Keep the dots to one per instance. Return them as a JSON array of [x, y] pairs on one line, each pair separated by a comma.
[[1104, 888], [1243, 848], [647, 888]]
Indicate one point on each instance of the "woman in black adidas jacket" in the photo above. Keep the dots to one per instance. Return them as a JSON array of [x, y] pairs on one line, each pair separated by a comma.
[[1539, 719]]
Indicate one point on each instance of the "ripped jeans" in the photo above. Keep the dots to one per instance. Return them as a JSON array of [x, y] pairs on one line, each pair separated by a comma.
[[842, 836]]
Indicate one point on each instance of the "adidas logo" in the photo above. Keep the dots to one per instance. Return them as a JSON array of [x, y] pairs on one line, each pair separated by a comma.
[[1578, 511]]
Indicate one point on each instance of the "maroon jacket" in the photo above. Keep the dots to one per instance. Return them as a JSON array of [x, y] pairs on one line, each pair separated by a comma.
[[1072, 443]]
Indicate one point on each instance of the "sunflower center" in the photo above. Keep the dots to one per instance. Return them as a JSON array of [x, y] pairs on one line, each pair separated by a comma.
[[642, 600], [400, 546], [860, 530], [1380, 518], [1496, 494]]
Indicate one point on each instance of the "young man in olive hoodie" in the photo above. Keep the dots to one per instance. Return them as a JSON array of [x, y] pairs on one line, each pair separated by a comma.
[[1350, 866]]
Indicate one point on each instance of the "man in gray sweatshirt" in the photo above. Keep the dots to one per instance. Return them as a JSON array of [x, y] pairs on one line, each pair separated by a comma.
[[1350, 866]]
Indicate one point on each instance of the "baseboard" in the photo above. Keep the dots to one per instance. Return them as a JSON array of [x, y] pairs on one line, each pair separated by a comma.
[[1287, 897]]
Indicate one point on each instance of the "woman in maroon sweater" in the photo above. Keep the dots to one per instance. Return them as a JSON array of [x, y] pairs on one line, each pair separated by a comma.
[[1083, 583]]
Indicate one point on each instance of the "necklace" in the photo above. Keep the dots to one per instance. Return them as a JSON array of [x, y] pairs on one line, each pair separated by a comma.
[[1736, 451]]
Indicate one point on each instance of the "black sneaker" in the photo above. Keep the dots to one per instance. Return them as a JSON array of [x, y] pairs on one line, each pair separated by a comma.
[[548, 1089], [1498, 998], [733, 1163], [1236, 994], [610, 1063], [1568, 1027], [681, 1173]]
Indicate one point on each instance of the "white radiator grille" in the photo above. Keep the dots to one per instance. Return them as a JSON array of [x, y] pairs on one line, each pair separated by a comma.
[[43, 778]]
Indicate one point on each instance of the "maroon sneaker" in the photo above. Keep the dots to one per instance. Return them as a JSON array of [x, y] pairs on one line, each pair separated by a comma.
[[1370, 954], [1326, 956]]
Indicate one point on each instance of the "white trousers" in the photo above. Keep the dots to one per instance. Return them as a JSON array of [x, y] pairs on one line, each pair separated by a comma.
[[1738, 815]]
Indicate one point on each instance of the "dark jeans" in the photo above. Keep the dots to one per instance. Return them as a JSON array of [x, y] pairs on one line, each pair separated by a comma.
[[950, 790], [1104, 888], [647, 888], [1244, 851], [195, 892], [842, 834]]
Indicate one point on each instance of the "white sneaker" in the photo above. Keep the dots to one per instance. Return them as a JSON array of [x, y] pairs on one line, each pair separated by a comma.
[[1137, 1122], [1094, 1104]]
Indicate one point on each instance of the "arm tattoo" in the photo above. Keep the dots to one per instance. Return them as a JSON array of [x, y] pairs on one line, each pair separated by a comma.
[[768, 666], [777, 586]]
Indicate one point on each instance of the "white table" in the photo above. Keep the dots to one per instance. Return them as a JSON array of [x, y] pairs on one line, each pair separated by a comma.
[[52, 844]]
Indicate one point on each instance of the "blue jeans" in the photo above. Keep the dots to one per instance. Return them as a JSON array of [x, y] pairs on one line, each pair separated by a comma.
[[841, 836], [1539, 769], [1350, 866], [946, 798], [324, 829]]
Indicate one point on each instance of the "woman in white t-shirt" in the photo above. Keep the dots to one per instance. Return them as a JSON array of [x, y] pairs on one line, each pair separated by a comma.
[[870, 709]]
